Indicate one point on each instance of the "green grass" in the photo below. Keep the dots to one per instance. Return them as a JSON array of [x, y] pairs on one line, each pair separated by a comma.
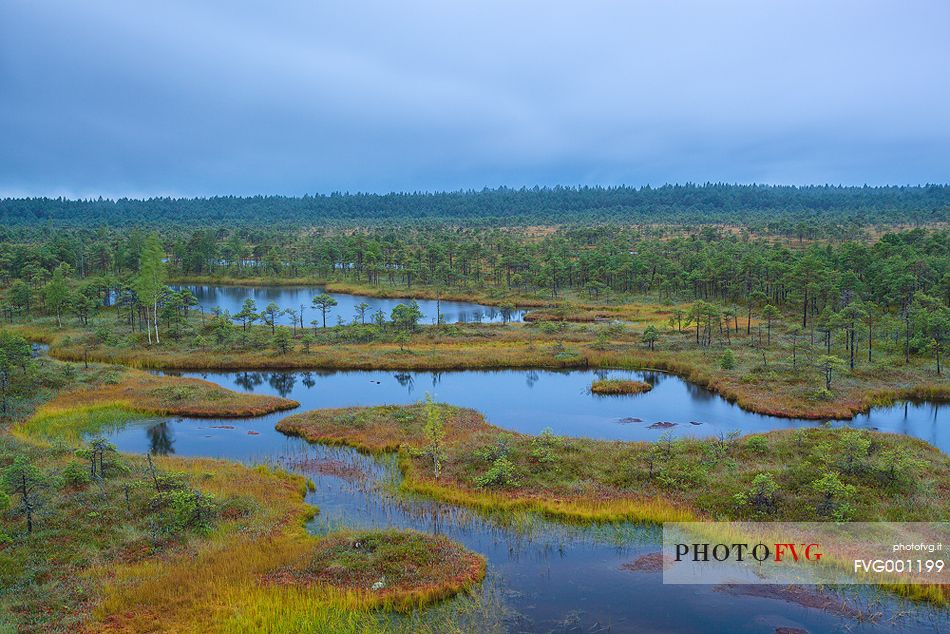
[[71, 424]]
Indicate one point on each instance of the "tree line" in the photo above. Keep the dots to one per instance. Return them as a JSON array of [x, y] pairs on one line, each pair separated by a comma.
[[708, 202]]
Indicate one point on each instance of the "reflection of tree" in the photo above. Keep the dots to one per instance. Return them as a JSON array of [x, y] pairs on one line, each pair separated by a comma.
[[531, 377], [161, 440], [436, 378], [283, 382], [406, 380], [308, 380], [248, 380]]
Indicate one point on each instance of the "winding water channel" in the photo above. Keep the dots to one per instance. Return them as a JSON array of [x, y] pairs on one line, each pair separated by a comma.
[[543, 576]]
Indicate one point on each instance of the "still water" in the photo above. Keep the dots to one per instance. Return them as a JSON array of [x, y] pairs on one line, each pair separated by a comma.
[[543, 576], [231, 298], [528, 401]]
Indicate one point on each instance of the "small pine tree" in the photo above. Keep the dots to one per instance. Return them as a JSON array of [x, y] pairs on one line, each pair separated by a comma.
[[434, 432]]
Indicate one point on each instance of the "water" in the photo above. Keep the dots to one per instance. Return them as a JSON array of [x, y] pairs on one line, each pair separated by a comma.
[[544, 576], [231, 298], [528, 401]]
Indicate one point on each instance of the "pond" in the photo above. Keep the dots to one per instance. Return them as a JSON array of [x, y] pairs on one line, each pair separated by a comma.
[[528, 401], [231, 298], [543, 576]]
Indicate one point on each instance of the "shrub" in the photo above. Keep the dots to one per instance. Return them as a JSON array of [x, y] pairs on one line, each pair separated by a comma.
[[548, 327], [544, 446], [834, 496], [757, 444], [681, 474], [896, 468], [184, 509], [500, 449], [728, 360], [501, 473], [76, 474], [761, 495], [601, 342]]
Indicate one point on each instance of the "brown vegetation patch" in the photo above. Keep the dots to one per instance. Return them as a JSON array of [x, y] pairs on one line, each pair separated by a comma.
[[799, 595], [405, 568], [328, 466], [651, 562], [170, 395]]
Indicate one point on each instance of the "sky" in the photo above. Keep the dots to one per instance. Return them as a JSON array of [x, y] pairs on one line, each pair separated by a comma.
[[197, 98]]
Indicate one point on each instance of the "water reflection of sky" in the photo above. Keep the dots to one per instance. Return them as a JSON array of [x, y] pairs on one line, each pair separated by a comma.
[[231, 298], [531, 400]]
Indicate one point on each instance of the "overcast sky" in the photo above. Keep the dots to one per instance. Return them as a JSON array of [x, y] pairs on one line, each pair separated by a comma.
[[241, 97]]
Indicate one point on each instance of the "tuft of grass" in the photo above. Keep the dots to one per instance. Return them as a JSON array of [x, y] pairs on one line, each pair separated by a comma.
[[400, 570], [619, 386]]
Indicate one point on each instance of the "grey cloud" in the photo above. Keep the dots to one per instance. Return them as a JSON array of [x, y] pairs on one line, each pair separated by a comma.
[[194, 98]]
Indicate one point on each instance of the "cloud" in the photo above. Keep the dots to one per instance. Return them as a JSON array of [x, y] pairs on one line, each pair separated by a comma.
[[109, 97]]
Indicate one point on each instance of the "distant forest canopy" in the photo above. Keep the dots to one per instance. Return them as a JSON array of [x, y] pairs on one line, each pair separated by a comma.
[[769, 208]]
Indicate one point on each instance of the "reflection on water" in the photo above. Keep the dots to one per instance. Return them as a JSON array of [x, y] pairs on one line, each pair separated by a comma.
[[161, 439], [531, 400], [299, 298], [548, 576]]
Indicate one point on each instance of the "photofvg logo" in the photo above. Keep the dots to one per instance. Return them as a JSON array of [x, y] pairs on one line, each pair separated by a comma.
[[805, 553], [741, 552]]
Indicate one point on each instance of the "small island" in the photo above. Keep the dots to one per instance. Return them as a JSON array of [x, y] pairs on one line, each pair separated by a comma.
[[614, 387]]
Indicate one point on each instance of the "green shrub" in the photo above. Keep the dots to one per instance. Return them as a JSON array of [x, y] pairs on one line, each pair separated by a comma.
[[545, 445], [757, 444], [184, 509], [501, 473], [834, 496], [761, 495], [76, 474], [728, 360]]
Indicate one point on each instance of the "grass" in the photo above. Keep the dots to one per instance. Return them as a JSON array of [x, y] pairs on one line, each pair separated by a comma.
[[594, 480], [619, 386]]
